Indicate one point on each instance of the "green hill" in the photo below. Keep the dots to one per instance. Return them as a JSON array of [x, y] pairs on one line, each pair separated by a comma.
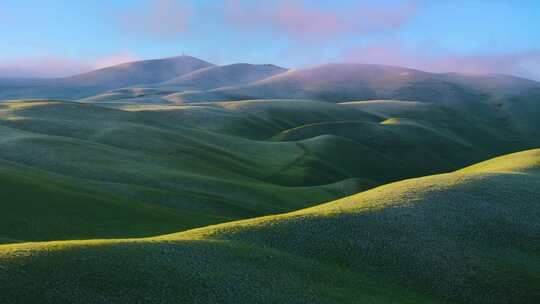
[[212, 163], [510, 101], [37, 207], [225, 75], [466, 237]]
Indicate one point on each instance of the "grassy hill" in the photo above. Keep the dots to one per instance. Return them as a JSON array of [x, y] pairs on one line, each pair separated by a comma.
[[223, 76], [509, 100], [138, 95], [201, 79], [210, 163], [466, 237], [174, 181], [37, 206]]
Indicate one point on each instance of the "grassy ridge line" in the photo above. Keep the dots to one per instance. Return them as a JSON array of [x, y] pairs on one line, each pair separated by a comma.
[[521, 162], [184, 271], [467, 237]]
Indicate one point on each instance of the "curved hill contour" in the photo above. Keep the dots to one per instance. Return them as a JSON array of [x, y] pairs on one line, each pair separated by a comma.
[[138, 72], [510, 100], [226, 75], [466, 237], [216, 162]]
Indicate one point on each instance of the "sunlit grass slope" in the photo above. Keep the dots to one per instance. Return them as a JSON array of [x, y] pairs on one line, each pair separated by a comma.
[[465, 237]]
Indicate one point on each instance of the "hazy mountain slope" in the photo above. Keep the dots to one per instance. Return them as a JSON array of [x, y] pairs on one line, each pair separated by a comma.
[[118, 76], [206, 78], [140, 72], [226, 75], [349, 81], [510, 100], [466, 237]]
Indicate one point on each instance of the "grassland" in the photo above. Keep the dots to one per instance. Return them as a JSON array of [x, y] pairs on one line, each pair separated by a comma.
[[465, 237], [204, 164], [154, 187]]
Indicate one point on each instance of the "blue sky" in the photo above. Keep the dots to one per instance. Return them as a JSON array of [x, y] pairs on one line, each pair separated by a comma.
[[56, 38]]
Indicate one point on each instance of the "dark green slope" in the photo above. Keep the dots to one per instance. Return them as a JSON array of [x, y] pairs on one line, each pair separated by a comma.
[[37, 205]]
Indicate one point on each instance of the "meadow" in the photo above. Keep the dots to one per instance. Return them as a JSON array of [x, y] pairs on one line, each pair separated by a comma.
[[179, 181]]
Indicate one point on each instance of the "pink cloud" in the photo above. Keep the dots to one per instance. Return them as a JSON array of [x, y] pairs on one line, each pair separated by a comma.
[[56, 66], [525, 64], [162, 19], [297, 19]]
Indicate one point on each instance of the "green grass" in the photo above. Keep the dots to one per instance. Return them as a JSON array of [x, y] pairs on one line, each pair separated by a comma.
[[465, 237], [211, 163], [40, 208]]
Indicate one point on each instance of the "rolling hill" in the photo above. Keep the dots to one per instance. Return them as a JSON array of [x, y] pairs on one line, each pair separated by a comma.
[[511, 100], [470, 236], [175, 180], [202, 79], [223, 76], [210, 163]]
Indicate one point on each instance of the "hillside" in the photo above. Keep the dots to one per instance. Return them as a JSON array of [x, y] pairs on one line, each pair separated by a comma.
[[202, 79], [87, 84], [466, 237], [510, 100], [139, 72], [37, 205], [222, 76], [217, 162]]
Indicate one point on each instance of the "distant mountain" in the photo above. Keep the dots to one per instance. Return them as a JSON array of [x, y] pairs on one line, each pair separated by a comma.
[[87, 84], [510, 99], [226, 75], [350, 82], [139, 72]]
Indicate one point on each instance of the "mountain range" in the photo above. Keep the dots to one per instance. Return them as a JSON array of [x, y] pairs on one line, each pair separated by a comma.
[[186, 79]]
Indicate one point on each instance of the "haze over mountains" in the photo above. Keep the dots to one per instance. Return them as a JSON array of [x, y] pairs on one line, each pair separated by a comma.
[[118, 76]]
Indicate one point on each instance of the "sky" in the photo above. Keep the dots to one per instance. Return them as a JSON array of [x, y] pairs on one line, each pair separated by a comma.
[[52, 38]]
